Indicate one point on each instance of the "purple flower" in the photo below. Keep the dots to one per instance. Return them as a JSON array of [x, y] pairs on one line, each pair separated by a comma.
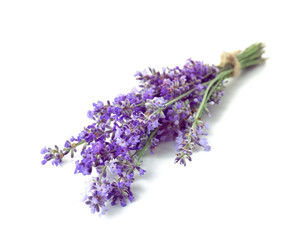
[[96, 147], [44, 162], [200, 87], [44, 150], [148, 94], [67, 144], [94, 200], [159, 102], [122, 202], [138, 73], [48, 157], [81, 135], [98, 105], [127, 132], [141, 171], [81, 167], [118, 132], [72, 139], [130, 176], [102, 189], [121, 142], [90, 114], [57, 160], [134, 139], [203, 142], [113, 167], [131, 198]]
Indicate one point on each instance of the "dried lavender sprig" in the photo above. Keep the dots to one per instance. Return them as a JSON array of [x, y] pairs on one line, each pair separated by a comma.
[[169, 105]]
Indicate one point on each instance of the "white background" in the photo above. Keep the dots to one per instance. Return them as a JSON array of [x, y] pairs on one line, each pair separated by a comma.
[[58, 57]]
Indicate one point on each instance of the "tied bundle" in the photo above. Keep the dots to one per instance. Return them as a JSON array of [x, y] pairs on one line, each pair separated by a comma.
[[169, 105]]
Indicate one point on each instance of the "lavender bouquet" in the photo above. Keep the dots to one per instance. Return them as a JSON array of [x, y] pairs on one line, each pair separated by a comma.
[[168, 106]]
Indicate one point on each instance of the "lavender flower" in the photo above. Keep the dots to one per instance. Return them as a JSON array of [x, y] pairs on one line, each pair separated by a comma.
[[168, 106]]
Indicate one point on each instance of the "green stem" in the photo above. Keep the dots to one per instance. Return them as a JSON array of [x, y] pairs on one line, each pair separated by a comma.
[[209, 90], [253, 49], [178, 98], [216, 85], [147, 144], [250, 57], [138, 105], [102, 172], [67, 150], [171, 102]]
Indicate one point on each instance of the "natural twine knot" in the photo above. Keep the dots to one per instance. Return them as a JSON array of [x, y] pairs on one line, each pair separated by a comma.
[[231, 58]]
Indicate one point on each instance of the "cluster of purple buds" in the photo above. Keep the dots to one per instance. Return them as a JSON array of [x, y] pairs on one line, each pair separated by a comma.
[[164, 108], [168, 106]]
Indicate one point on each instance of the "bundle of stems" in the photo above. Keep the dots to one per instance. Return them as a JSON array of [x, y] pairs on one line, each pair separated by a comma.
[[169, 105]]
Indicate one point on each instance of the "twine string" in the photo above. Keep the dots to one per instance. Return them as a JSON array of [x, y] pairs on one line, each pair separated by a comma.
[[231, 58]]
